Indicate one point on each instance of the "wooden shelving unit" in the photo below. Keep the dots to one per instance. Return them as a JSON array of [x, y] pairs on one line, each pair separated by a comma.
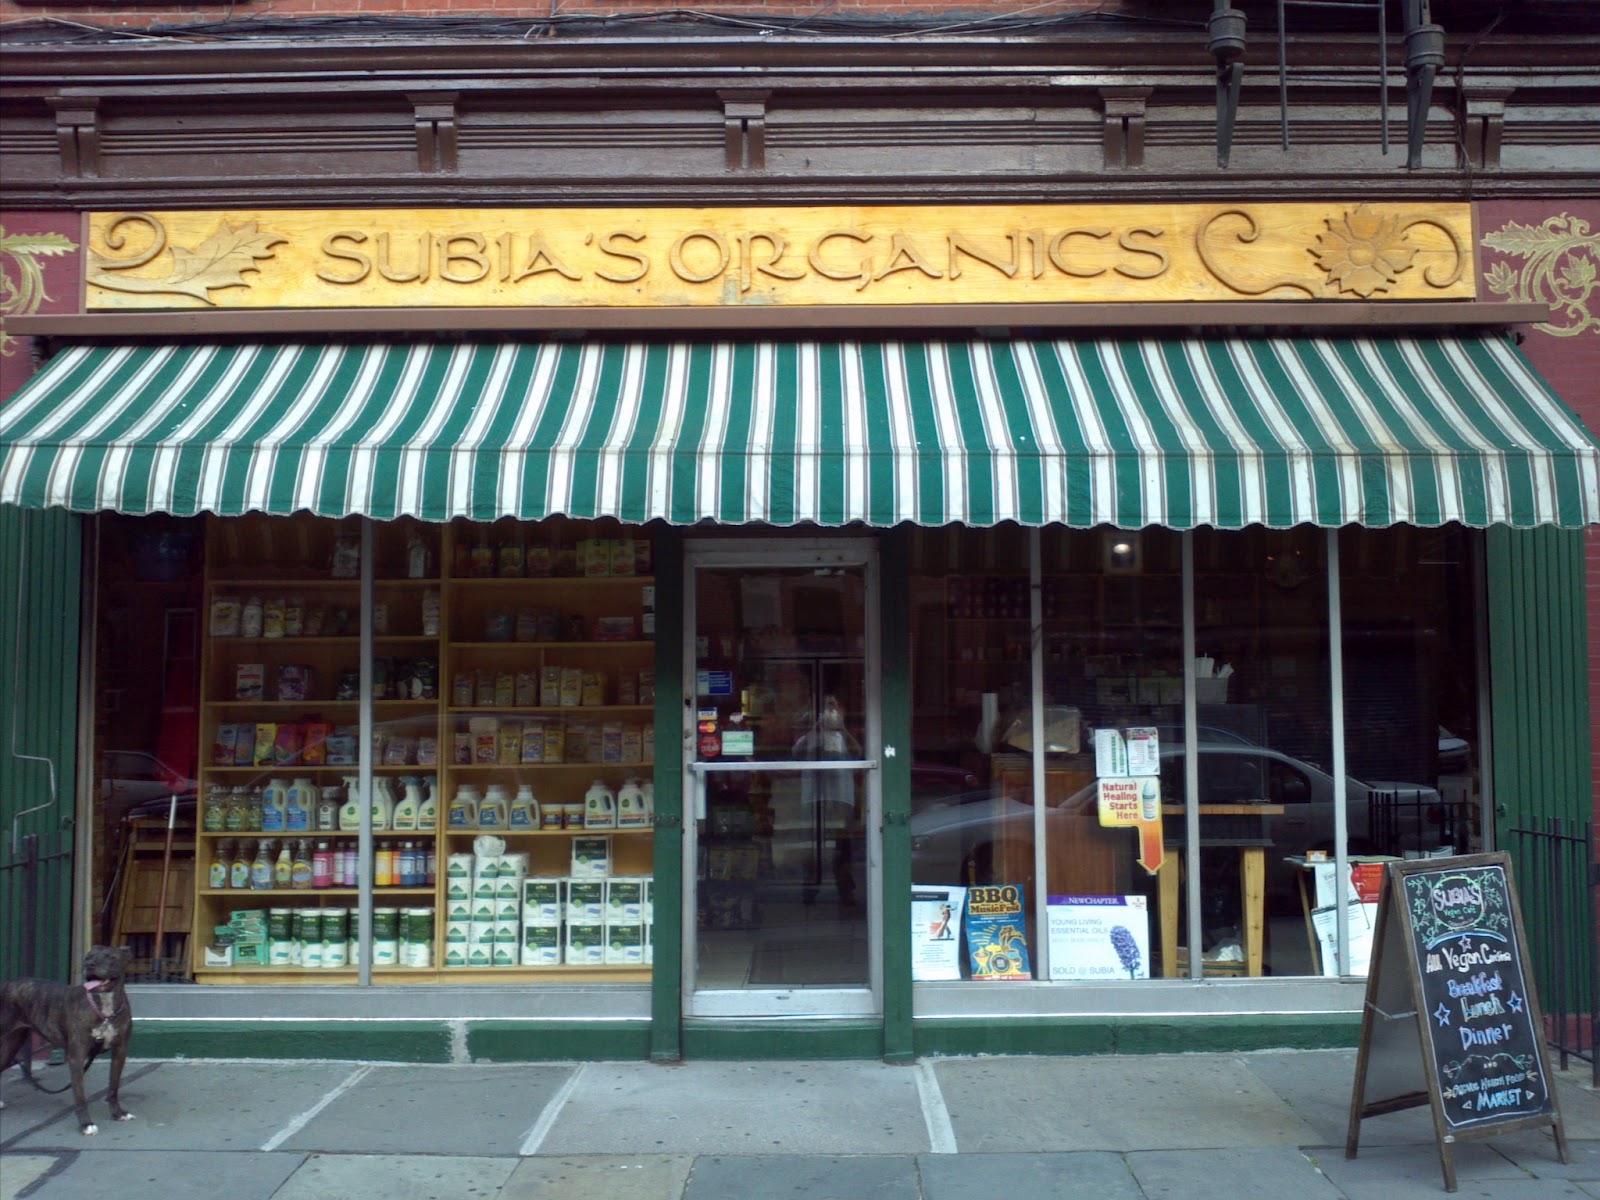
[[478, 620]]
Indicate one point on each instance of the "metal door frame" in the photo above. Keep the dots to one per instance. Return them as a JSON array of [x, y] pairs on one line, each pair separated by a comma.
[[778, 554]]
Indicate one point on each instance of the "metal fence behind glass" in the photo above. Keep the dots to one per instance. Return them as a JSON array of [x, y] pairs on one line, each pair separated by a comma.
[[1560, 901]]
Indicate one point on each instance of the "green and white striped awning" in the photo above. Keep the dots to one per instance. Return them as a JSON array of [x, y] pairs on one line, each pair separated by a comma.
[[1171, 431]]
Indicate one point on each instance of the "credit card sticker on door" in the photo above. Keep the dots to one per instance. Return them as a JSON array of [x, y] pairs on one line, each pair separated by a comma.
[[714, 683]]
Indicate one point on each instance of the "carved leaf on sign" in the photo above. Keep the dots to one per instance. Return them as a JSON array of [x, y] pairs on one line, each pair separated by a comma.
[[218, 262], [23, 295], [1559, 270]]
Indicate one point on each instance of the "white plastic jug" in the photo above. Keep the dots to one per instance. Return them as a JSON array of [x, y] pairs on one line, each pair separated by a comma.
[[495, 809], [464, 808], [599, 807], [631, 813], [274, 805], [525, 813], [300, 805]]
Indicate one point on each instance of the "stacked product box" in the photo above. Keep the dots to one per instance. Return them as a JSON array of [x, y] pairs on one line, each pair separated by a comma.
[[483, 909], [543, 907]]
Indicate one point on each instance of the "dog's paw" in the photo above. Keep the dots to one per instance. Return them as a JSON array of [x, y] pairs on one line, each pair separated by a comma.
[[90, 1129], [127, 1116]]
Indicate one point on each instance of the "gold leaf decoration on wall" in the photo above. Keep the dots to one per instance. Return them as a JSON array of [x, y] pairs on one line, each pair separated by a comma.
[[22, 295], [219, 261], [1560, 267]]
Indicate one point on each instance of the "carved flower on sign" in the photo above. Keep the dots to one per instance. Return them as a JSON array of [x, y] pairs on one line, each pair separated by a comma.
[[220, 261], [1362, 252]]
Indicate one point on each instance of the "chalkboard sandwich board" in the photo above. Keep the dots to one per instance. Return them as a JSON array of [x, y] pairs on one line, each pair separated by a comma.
[[1451, 1017]]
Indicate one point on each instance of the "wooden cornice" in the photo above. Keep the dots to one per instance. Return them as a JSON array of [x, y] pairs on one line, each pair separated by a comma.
[[733, 61], [303, 323]]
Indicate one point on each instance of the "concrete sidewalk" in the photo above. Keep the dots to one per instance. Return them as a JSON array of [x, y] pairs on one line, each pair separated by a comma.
[[1230, 1126]]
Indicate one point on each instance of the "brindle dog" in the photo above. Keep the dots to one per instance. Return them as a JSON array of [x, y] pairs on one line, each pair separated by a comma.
[[82, 1021]]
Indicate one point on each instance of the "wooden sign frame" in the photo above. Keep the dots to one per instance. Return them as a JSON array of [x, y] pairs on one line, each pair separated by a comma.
[[1403, 1015]]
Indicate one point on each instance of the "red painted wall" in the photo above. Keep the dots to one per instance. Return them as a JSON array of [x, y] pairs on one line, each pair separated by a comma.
[[1549, 251], [41, 275]]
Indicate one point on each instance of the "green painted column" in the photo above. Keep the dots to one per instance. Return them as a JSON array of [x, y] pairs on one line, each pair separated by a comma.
[[40, 580], [894, 559], [1539, 689], [666, 981]]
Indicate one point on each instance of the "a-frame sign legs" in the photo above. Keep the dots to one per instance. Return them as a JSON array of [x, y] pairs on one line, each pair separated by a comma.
[[1451, 1017]]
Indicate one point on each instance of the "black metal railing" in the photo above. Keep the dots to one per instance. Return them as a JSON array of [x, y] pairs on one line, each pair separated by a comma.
[[1560, 886]]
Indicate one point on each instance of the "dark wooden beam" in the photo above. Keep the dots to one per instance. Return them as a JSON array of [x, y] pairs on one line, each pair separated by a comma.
[[312, 322]]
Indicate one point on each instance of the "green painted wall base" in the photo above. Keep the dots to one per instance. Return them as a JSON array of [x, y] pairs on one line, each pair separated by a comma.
[[1139, 1035], [378, 1040], [782, 1039], [373, 1040], [550, 1041], [435, 1041]]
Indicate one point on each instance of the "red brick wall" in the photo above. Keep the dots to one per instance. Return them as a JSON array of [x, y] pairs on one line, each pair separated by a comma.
[[1571, 363]]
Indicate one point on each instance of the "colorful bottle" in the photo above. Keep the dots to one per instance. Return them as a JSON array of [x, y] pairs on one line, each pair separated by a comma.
[[464, 808], [217, 875], [322, 866], [261, 868], [215, 814], [283, 869], [428, 811], [240, 870], [300, 866]]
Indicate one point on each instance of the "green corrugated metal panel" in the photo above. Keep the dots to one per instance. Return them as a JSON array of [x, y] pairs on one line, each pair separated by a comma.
[[39, 628], [666, 1039], [895, 573], [1538, 660]]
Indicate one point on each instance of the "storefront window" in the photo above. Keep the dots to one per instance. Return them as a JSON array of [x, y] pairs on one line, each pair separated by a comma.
[[1411, 690], [510, 693]]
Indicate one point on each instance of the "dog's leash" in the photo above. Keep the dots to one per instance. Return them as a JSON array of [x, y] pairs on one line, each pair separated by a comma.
[[94, 1051]]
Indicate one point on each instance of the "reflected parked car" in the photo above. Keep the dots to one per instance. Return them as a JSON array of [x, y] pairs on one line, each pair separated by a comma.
[[952, 835], [130, 778]]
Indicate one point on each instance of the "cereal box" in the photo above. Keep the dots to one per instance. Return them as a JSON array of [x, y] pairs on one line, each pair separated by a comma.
[[266, 739], [249, 681]]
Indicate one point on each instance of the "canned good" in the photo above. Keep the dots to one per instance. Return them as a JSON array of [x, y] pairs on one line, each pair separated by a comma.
[[385, 924], [311, 955], [417, 926], [280, 924], [280, 952], [335, 954], [385, 953]]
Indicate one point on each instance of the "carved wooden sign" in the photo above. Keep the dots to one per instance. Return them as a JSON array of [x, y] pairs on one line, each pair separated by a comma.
[[722, 257]]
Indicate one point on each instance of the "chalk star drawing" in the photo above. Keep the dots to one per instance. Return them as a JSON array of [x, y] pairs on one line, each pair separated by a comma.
[[1515, 1002], [1466, 942], [1442, 1014]]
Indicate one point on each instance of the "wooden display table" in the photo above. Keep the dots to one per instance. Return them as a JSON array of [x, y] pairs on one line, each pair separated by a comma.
[[1252, 881]]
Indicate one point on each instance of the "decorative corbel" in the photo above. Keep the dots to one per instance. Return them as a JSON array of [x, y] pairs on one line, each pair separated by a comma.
[[1483, 117], [1123, 138], [1424, 57], [435, 116], [78, 134], [744, 129], [1226, 27]]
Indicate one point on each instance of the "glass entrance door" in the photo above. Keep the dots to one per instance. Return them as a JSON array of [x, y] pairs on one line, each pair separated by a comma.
[[783, 895]]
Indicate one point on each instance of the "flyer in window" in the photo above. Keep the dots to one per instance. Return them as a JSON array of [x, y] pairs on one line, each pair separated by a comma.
[[997, 938], [1099, 937], [936, 920]]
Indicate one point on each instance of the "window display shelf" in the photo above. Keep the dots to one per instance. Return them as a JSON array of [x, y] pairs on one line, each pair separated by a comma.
[[586, 768], [279, 560]]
